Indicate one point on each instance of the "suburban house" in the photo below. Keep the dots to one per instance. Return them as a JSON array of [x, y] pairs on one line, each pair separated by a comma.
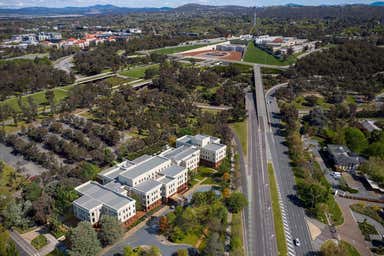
[[152, 179], [369, 125], [211, 151], [97, 199], [343, 159]]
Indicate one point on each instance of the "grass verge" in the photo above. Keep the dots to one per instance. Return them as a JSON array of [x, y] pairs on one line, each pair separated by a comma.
[[277, 217], [240, 129], [237, 240]]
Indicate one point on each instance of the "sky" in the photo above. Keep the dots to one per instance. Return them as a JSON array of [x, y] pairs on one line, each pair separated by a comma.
[[168, 3]]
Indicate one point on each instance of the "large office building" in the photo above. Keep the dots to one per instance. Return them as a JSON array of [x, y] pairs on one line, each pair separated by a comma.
[[151, 179]]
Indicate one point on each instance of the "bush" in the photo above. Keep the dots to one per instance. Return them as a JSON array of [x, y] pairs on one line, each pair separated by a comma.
[[39, 242]]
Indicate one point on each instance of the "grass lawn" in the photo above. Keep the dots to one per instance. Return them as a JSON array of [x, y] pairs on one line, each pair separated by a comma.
[[39, 97], [277, 218], [39, 242], [176, 49], [256, 55], [190, 238], [137, 72], [240, 129], [351, 250]]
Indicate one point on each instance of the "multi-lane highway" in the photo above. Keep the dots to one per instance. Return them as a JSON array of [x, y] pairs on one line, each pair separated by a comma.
[[265, 144], [261, 239], [294, 220]]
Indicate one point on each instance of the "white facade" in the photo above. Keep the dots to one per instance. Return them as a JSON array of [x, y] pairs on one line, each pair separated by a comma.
[[187, 156], [210, 148], [97, 200]]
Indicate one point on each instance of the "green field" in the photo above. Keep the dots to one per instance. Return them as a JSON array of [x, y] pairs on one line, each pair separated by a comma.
[[241, 130], [277, 218], [177, 49], [137, 72], [39, 97], [256, 55]]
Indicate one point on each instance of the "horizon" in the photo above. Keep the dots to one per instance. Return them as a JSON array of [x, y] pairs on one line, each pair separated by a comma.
[[170, 3]]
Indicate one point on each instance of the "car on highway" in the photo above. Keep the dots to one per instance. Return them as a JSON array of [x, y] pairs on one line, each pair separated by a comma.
[[297, 242]]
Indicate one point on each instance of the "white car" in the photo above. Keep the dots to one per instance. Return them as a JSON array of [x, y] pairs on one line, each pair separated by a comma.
[[297, 242]]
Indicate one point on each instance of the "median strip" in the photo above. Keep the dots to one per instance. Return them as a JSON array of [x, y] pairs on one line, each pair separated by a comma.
[[277, 217]]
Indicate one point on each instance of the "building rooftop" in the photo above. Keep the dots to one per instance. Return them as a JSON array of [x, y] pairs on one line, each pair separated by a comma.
[[173, 170], [87, 202], [180, 153], [342, 155], [95, 192], [214, 146], [147, 186], [369, 125], [115, 171], [165, 179], [143, 166]]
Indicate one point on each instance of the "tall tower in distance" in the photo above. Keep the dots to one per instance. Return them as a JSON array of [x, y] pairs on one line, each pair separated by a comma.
[[254, 19]]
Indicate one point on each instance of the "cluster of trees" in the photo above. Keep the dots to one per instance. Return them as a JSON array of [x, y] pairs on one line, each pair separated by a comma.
[[86, 241], [152, 251], [57, 53], [313, 190], [105, 55], [206, 214], [353, 66], [25, 76]]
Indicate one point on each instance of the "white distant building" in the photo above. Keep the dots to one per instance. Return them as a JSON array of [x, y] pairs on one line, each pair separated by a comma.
[[212, 152], [134, 30], [281, 44], [97, 199]]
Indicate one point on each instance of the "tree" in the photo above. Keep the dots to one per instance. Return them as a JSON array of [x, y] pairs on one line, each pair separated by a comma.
[[16, 214], [83, 240], [88, 171], [182, 252], [128, 251], [111, 230], [355, 139], [50, 97], [332, 248], [32, 191], [163, 225], [214, 247], [236, 202]]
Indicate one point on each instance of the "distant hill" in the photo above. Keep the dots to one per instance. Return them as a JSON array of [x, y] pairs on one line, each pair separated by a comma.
[[95, 9], [293, 5], [377, 4]]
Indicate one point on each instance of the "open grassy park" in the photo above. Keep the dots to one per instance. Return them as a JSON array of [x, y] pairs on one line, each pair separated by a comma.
[[240, 129], [137, 72], [256, 55]]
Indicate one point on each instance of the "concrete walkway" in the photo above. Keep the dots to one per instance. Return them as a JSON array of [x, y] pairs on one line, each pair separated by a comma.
[[349, 231]]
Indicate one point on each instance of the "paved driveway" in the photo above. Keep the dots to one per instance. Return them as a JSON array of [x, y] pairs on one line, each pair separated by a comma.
[[147, 235], [349, 230]]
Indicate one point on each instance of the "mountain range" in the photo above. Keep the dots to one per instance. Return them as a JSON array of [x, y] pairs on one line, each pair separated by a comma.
[[111, 9]]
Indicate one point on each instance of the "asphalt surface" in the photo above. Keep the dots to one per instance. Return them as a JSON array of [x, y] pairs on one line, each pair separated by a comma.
[[293, 214], [261, 238], [22, 246]]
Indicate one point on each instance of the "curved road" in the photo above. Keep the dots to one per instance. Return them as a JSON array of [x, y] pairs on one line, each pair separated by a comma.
[[295, 215]]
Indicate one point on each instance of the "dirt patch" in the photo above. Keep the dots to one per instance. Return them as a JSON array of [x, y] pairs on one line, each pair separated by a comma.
[[220, 55], [313, 229]]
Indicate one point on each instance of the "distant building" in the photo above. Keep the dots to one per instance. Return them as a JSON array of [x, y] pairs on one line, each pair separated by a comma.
[[134, 30], [278, 45], [230, 47], [343, 159], [185, 155], [369, 125]]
